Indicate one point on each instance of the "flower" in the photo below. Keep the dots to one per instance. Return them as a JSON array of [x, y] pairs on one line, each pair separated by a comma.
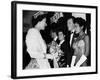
[[55, 50]]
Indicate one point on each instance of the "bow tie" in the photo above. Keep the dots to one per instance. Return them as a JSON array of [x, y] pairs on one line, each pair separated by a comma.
[[72, 32]]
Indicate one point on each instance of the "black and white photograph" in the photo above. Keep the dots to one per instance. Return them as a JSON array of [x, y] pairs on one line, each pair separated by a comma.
[[57, 38], [53, 39]]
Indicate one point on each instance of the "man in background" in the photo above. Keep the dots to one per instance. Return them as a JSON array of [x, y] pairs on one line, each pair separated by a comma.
[[70, 36]]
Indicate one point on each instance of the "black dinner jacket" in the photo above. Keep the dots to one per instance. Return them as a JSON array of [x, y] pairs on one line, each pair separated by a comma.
[[65, 48], [57, 41], [70, 48]]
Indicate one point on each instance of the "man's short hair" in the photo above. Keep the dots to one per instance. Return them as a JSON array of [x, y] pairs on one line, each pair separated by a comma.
[[71, 17]]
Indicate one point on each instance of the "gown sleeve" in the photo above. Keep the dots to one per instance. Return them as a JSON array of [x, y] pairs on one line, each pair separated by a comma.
[[33, 47]]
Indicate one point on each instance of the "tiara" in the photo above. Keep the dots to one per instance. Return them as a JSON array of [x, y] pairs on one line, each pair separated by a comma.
[[38, 14]]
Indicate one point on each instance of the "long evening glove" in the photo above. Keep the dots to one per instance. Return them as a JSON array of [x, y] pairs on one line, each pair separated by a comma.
[[81, 60], [73, 61]]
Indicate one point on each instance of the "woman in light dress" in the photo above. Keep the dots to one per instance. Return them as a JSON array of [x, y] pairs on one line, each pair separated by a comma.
[[36, 46]]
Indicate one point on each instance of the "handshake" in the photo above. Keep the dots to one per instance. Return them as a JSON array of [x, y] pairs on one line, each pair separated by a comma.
[[50, 56]]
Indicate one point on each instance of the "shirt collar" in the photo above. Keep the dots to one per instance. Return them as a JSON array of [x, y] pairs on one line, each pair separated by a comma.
[[55, 38], [61, 42]]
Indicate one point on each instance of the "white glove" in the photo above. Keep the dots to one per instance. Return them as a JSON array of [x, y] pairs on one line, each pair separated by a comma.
[[67, 66], [73, 61], [49, 56], [81, 60]]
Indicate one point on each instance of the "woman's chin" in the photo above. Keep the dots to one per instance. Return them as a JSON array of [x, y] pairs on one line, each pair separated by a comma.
[[77, 32]]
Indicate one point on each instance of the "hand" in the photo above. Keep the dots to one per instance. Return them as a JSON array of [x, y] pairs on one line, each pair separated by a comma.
[[49, 56], [55, 55]]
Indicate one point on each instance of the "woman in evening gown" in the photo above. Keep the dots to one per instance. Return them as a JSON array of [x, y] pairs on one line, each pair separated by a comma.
[[36, 46], [80, 44]]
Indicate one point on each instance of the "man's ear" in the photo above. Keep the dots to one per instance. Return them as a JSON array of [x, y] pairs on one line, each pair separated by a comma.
[[82, 27]]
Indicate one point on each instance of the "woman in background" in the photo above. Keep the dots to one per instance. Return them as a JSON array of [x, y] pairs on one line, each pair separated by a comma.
[[80, 45], [36, 46]]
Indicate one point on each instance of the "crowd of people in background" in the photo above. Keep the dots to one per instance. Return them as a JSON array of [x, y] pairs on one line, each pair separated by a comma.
[[69, 46]]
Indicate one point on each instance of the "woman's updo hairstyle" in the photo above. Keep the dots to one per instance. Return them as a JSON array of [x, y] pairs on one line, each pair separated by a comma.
[[35, 20], [81, 22]]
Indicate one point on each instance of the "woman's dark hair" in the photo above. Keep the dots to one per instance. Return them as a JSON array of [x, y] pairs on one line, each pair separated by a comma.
[[81, 22], [39, 18]]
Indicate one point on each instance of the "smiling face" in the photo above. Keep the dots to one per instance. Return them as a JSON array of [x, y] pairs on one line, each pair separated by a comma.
[[61, 36], [70, 24], [42, 24], [78, 28]]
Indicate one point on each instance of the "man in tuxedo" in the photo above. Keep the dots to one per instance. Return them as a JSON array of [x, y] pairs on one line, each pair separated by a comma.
[[70, 36], [64, 59]]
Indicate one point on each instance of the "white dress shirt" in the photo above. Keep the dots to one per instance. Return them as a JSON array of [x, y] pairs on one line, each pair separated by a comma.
[[61, 42], [55, 38], [71, 37]]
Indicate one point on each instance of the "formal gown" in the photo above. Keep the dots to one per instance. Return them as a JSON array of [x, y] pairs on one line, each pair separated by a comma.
[[79, 46], [36, 48]]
